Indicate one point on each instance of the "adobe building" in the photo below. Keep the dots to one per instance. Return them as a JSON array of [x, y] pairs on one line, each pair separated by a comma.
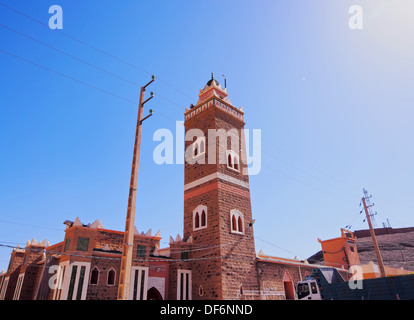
[[214, 259], [343, 252]]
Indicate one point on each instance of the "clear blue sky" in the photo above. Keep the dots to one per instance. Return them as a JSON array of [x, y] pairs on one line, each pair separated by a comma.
[[335, 107]]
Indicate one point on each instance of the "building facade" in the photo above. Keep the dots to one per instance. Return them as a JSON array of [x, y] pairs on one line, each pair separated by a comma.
[[214, 259]]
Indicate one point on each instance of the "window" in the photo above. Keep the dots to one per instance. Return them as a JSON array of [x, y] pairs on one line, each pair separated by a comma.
[[67, 244], [18, 288], [203, 218], [83, 244], [184, 285], [200, 217], [78, 274], [303, 290], [199, 147], [141, 251], [201, 291], [197, 221], [184, 255], [111, 278], [314, 288], [233, 223], [240, 224], [232, 160], [4, 288], [237, 222], [139, 283], [94, 276]]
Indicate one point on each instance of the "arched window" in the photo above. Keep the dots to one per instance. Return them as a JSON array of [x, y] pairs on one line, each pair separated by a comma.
[[200, 217], [233, 223], [240, 224], [203, 218], [197, 220], [237, 222], [199, 147], [94, 275], [111, 277], [232, 160]]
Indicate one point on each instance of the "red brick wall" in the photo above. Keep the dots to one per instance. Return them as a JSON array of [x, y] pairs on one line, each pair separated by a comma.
[[32, 271], [271, 277], [13, 271], [177, 263]]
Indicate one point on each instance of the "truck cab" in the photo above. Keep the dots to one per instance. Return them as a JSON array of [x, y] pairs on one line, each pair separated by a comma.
[[308, 289]]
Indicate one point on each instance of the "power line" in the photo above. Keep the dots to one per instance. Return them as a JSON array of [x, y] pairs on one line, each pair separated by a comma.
[[80, 81], [30, 225], [303, 183], [69, 77], [275, 245], [91, 65], [70, 55], [298, 169], [96, 49], [310, 165]]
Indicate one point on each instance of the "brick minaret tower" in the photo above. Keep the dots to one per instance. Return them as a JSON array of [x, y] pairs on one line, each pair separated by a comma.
[[217, 209]]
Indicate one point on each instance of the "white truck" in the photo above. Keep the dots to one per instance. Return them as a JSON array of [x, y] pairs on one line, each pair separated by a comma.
[[308, 289]]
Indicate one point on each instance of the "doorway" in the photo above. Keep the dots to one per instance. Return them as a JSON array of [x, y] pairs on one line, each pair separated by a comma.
[[154, 294], [288, 287]]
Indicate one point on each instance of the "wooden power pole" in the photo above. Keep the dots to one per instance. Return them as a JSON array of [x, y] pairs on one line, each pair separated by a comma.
[[125, 272], [374, 238]]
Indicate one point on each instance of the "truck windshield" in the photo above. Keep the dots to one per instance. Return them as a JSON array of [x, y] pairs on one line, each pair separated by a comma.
[[303, 290]]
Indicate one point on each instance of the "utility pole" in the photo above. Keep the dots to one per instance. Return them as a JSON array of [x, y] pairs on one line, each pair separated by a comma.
[[365, 199], [125, 272]]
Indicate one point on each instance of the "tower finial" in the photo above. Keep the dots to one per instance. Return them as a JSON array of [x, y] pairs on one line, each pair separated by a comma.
[[212, 76]]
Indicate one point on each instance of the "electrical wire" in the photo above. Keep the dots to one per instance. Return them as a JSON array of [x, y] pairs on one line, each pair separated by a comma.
[[311, 166], [80, 81], [71, 56], [30, 225], [69, 77], [123, 61]]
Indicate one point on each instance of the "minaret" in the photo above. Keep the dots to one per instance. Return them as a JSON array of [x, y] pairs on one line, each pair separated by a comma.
[[217, 209]]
